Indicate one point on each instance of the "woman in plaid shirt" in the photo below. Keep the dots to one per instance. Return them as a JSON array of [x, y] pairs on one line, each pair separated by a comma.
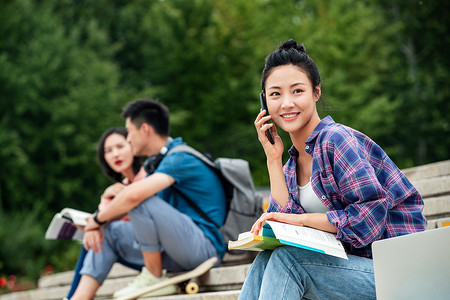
[[336, 179]]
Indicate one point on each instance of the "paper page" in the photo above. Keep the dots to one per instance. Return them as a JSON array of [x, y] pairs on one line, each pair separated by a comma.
[[61, 228], [300, 233], [77, 216], [244, 235]]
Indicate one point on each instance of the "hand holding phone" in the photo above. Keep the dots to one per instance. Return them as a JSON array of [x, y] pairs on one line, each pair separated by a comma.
[[262, 99]]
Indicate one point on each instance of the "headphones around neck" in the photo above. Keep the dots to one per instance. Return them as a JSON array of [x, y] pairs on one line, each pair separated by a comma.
[[152, 162]]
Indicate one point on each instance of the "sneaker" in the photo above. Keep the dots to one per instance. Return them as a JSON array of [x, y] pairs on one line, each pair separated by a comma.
[[145, 278]]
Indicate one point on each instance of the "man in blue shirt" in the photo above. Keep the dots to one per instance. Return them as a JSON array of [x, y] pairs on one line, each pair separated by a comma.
[[171, 235]]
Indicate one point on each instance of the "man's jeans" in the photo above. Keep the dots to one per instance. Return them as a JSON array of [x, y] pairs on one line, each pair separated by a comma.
[[154, 226]]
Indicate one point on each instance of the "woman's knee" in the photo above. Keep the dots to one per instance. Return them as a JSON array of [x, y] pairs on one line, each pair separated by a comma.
[[259, 264], [263, 257]]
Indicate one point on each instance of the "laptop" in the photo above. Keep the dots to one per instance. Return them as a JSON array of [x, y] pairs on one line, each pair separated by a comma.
[[413, 266]]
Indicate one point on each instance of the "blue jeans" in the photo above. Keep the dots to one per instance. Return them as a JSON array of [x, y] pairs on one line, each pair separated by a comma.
[[158, 226], [118, 246], [154, 226], [77, 276], [295, 273]]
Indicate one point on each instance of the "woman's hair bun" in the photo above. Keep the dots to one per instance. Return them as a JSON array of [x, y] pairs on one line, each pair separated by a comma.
[[292, 44], [291, 53]]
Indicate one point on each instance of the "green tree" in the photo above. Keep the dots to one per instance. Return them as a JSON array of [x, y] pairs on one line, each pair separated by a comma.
[[418, 81], [57, 97], [198, 57]]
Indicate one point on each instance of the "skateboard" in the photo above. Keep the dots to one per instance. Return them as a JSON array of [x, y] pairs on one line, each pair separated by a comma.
[[184, 281]]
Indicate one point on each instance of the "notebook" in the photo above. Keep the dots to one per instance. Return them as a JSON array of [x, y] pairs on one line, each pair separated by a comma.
[[414, 266]]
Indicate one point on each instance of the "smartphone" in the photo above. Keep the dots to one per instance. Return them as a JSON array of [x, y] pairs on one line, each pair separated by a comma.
[[262, 99]]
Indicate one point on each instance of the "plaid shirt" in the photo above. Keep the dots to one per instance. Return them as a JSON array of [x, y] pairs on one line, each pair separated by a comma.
[[367, 196]]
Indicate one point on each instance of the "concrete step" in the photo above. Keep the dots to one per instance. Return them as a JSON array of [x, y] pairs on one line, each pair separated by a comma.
[[217, 279], [223, 282], [221, 295], [437, 206], [432, 187], [120, 271], [438, 223], [437, 169], [65, 278]]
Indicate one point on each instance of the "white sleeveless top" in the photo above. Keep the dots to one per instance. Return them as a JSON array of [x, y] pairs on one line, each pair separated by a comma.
[[309, 200]]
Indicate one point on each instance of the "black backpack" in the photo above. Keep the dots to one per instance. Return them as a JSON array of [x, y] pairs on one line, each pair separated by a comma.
[[244, 205]]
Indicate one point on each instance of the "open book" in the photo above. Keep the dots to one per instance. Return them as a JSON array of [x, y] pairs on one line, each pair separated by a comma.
[[274, 234], [62, 225]]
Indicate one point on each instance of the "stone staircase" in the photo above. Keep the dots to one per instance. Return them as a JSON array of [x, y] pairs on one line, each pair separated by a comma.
[[220, 283], [225, 281], [433, 183]]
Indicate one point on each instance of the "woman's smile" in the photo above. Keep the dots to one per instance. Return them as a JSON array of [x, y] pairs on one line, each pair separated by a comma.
[[289, 116]]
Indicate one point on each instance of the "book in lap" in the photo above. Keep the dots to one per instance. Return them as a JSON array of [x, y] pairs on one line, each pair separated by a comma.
[[275, 234], [62, 225]]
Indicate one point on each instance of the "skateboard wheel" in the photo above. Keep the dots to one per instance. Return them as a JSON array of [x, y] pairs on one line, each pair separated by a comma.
[[191, 288], [182, 287]]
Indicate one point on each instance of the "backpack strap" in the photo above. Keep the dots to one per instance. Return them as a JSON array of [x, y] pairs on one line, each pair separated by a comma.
[[208, 162], [188, 149]]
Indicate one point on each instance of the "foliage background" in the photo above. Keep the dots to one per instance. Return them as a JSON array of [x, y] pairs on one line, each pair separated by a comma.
[[67, 68]]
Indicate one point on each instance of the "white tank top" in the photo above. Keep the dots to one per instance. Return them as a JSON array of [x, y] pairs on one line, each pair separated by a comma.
[[309, 200]]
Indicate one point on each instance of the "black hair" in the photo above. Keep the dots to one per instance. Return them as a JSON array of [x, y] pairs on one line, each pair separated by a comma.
[[291, 53], [148, 111], [101, 155]]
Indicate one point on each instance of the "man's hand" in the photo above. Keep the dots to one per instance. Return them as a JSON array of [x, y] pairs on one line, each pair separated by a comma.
[[113, 190], [93, 239], [91, 224]]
